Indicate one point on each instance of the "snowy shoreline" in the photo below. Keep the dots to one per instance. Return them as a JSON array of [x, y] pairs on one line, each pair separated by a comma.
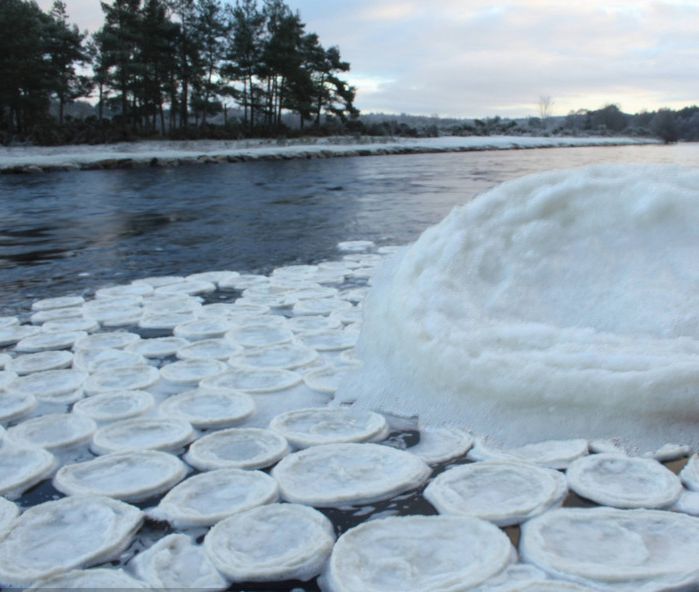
[[36, 159]]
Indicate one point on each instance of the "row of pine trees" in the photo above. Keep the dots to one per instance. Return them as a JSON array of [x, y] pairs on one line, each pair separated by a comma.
[[157, 66]]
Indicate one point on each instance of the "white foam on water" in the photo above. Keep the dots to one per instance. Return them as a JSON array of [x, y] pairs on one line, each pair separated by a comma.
[[271, 543], [624, 482], [563, 304]]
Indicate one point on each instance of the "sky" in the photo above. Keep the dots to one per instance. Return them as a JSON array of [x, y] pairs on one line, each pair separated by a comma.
[[479, 58]]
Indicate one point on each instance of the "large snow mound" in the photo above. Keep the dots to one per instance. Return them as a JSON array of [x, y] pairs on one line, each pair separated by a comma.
[[565, 304]]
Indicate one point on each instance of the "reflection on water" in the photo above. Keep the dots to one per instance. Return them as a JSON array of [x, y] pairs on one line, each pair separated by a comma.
[[72, 231]]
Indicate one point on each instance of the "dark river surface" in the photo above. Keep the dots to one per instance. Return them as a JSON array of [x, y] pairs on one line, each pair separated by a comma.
[[71, 232]]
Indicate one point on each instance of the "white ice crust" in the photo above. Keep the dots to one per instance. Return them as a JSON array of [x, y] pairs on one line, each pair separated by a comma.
[[128, 476], [240, 448], [57, 536], [271, 543], [321, 425], [175, 562], [623, 481], [615, 550], [563, 303], [336, 475], [210, 497], [501, 492], [416, 553]]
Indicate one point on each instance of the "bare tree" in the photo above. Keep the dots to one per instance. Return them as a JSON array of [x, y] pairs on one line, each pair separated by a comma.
[[545, 107]]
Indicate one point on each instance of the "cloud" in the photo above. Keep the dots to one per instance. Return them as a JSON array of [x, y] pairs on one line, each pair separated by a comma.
[[477, 57]]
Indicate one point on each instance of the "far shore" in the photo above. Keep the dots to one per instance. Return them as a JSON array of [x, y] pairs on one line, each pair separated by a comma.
[[38, 159]]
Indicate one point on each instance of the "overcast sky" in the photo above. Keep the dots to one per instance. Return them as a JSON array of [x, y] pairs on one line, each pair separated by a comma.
[[480, 58]]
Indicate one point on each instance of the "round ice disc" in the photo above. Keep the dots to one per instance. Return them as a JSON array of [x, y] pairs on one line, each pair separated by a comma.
[[209, 349], [288, 356], [69, 325], [191, 372], [188, 287], [349, 316], [438, 445], [417, 553], [51, 385], [313, 324], [40, 362], [202, 329], [326, 380], [5, 359], [355, 246], [129, 476], [115, 406], [335, 475], [56, 314], [213, 276], [22, 468], [164, 433], [329, 425], [608, 549], [259, 335], [56, 536], [688, 503], [8, 322], [122, 379], [271, 543], [175, 562], [330, 340], [624, 482], [14, 333], [239, 448], [210, 497], [158, 347], [554, 454], [135, 289], [106, 359], [91, 579], [53, 431], [48, 341], [209, 409], [7, 377], [320, 306], [161, 280], [690, 473], [501, 492], [165, 321], [113, 340], [253, 381], [15, 405], [8, 513], [60, 302]]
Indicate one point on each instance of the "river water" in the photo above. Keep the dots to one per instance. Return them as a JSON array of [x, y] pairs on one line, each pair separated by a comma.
[[71, 232]]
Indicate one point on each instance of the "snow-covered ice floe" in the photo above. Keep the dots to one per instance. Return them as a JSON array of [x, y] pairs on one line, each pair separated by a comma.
[[558, 305]]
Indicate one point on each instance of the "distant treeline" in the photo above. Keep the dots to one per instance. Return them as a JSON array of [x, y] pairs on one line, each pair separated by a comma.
[[165, 67]]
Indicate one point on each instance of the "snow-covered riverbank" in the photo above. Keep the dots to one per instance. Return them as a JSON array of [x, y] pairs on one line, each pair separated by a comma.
[[37, 159]]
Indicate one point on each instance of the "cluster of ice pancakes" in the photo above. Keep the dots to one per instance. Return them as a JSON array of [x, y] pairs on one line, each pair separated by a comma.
[[558, 305], [187, 435]]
